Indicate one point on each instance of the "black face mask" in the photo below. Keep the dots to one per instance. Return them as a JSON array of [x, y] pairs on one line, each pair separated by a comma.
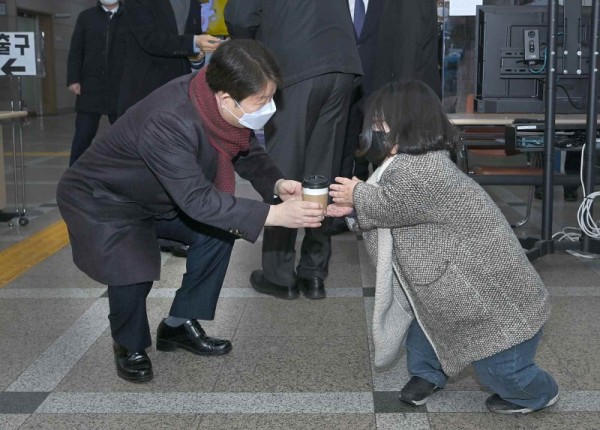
[[377, 150]]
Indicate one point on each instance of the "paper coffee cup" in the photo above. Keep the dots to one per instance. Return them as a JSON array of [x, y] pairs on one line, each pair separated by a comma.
[[315, 188]]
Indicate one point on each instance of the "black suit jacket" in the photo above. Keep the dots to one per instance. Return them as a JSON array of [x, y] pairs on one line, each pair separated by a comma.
[[96, 59], [154, 161], [407, 45], [368, 42], [156, 53], [307, 37]]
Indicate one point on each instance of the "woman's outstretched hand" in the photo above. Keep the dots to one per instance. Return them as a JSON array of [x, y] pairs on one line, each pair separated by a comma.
[[342, 192], [296, 213]]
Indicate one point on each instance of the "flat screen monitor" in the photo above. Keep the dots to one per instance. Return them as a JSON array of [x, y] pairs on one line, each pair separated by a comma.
[[512, 57]]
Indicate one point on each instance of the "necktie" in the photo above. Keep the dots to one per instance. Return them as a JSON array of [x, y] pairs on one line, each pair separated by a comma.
[[359, 16], [109, 14]]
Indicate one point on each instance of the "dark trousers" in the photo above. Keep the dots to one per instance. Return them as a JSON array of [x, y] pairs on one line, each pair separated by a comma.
[[305, 137], [86, 127], [207, 260], [352, 165]]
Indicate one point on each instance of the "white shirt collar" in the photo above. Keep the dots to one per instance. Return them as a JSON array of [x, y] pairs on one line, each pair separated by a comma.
[[351, 6], [111, 10]]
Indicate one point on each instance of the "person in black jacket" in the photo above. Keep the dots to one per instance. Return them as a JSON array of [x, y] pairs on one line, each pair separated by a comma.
[[407, 47], [94, 69], [313, 41], [164, 42], [398, 40]]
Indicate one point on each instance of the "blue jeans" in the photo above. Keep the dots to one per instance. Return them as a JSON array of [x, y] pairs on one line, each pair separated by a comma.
[[512, 373]]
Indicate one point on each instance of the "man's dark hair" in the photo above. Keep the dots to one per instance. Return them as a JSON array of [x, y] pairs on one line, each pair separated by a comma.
[[415, 116], [242, 67]]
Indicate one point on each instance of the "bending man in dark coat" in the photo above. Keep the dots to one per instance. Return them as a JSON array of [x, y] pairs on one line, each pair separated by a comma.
[[166, 169], [94, 69]]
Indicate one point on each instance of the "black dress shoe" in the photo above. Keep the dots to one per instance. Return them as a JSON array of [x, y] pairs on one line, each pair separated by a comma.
[[176, 250], [180, 250], [313, 288], [264, 286], [338, 226], [132, 366], [191, 337]]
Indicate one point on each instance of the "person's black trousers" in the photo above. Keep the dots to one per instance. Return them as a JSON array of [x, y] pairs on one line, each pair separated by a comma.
[[352, 165], [305, 137], [86, 127], [207, 260]]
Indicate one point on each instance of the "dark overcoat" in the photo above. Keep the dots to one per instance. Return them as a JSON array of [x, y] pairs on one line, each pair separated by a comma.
[[156, 53], [96, 59], [155, 161]]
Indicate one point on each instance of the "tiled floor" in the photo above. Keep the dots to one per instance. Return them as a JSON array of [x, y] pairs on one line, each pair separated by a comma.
[[295, 364]]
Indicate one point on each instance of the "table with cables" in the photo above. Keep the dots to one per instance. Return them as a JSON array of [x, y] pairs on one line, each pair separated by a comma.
[[506, 131], [519, 132]]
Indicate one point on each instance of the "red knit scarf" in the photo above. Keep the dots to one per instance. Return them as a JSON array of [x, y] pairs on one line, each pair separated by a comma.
[[227, 140]]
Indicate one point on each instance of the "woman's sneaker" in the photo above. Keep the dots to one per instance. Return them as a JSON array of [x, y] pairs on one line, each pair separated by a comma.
[[417, 390], [498, 405]]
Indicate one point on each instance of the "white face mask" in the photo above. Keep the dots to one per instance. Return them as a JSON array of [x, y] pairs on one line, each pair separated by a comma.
[[109, 2], [256, 120]]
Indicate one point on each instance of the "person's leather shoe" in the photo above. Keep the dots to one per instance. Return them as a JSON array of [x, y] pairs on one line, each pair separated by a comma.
[[264, 286], [176, 250], [313, 288], [338, 226], [191, 337], [180, 250], [132, 366]]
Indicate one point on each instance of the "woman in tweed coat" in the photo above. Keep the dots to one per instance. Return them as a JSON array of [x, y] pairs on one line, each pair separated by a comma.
[[475, 296]]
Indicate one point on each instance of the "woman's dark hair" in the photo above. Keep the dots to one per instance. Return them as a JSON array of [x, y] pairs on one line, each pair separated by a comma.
[[242, 67], [415, 116]]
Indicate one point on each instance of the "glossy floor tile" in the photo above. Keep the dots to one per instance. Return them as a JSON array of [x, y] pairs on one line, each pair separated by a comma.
[[295, 365]]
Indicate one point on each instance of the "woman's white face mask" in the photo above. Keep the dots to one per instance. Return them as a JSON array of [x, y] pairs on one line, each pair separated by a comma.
[[109, 2], [255, 120]]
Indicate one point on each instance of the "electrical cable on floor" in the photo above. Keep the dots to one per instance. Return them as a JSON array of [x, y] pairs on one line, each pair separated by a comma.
[[585, 220], [572, 234]]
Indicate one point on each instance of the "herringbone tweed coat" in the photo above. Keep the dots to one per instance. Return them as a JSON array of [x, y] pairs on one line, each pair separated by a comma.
[[471, 287]]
